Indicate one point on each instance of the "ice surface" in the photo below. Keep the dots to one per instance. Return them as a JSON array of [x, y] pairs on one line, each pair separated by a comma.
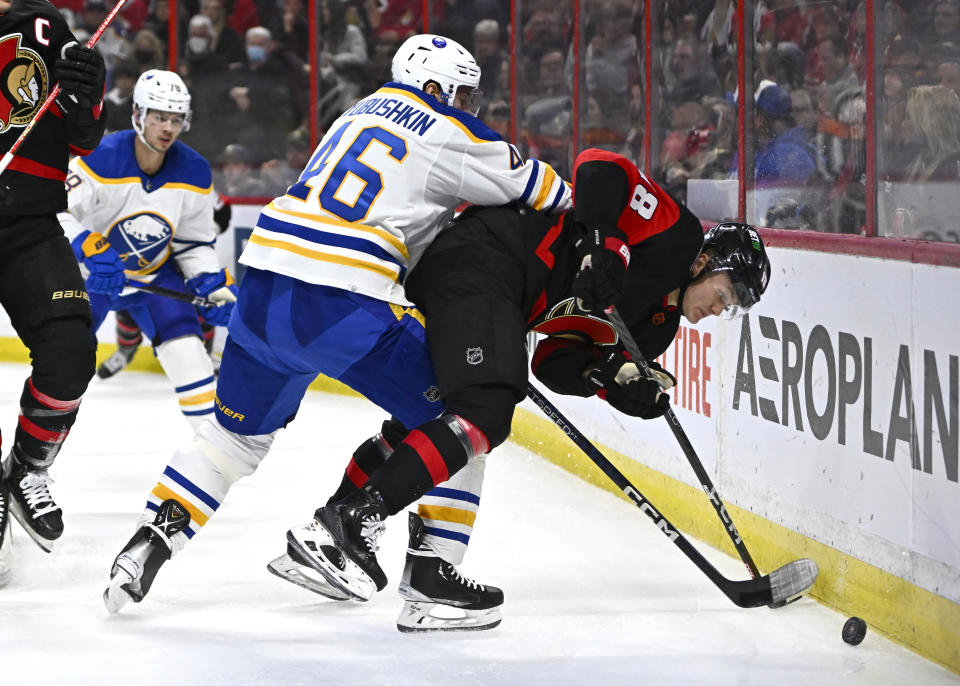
[[594, 594]]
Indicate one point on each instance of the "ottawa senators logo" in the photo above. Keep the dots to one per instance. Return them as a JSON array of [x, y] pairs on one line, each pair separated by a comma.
[[23, 83]]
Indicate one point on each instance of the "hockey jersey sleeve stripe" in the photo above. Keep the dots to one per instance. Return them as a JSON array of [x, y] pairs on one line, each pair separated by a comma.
[[531, 182], [447, 514], [561, 191], [192, 488], [285, 246], [549, 176], [443, 533], [385, 236], [338, 240]]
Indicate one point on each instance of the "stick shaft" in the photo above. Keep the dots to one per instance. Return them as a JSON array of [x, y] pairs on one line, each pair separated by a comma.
[[8, 156], [631, 345], [750, 593], [197, 300]]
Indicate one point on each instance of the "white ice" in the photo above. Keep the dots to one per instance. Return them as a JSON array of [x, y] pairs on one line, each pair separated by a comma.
[[594, 594]]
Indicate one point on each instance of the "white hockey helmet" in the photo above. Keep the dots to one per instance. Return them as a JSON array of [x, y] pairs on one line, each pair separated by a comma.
[[427, 57], [163, 91]]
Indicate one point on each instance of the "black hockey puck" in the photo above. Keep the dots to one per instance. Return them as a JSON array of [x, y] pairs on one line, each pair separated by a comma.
[[854, 630]]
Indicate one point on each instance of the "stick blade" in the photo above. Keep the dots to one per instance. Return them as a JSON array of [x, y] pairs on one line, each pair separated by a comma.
[[792, 580]]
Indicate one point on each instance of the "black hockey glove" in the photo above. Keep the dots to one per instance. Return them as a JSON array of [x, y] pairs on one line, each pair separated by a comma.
[[621, 383], [81, 74], [603, 270]]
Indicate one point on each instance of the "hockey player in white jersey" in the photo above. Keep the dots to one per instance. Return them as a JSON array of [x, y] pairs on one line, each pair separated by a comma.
[[323, 292], [141, 212]]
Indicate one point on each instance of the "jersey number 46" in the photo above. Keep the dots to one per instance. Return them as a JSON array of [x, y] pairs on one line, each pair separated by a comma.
[[348, 166]]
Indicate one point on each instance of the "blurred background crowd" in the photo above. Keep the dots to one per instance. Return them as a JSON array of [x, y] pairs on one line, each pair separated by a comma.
[[247, 63]]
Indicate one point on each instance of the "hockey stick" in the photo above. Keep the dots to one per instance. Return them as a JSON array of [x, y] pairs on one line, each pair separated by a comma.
[[774, 589], [705, 483], [197, 300], [8, 156]]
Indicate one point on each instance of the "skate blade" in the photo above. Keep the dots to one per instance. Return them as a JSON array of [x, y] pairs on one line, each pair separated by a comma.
[[350, 578], [46, 545], [304, 577], [418, 617], [114, 595]]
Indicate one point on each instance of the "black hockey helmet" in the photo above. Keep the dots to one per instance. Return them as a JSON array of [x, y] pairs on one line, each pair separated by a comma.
[[737, 249]]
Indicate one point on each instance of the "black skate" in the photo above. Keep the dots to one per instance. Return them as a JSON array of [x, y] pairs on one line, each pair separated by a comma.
[[6, 541], [118, 361], [137, 564], [31, 503], [438, 597], [341, 543]]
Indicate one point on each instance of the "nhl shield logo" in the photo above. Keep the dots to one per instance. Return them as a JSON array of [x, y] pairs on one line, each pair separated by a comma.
[[23, 83], [474, 356], [432, 394]]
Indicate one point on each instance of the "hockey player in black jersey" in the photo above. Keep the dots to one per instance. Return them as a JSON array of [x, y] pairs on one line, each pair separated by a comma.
[[496, 274], [40, 284]]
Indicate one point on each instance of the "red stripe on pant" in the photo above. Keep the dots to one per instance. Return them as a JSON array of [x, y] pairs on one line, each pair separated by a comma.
[[42, 434], [429, 455], [356, 475], [52, 403]]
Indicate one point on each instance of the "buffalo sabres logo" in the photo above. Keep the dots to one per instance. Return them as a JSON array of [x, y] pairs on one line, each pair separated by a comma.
[[23, 83], [142, 240]]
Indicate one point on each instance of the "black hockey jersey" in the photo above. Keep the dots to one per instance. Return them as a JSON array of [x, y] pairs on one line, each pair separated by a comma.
[[664, 238], [33, 34]]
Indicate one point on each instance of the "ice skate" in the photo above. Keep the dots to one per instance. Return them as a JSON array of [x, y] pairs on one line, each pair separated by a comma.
[[118, 361], [30, 502], [137, 564], [437, 597], [341, 543], [291, 567], [6, 540]]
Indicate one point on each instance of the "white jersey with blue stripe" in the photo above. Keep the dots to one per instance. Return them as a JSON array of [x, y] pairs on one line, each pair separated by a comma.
[[146, 219], [384, 180]]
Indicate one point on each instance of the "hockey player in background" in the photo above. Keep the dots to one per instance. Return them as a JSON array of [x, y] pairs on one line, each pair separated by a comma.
[[141, 209], [129, 334], [496, 274], [40, 286], [323, 291]]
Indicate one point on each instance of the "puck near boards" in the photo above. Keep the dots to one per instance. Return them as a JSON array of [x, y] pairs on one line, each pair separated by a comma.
[[854, 629]]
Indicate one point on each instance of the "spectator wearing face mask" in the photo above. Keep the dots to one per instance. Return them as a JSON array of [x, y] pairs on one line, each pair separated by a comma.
[[118, 102], [207, 74], [261, 100]]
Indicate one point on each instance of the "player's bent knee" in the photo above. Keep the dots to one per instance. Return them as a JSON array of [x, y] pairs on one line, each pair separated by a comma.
[[489, 408], [234, 455], [64, 358]]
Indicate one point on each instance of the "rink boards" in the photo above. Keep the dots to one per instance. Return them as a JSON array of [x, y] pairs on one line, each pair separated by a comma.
[[828, 420]]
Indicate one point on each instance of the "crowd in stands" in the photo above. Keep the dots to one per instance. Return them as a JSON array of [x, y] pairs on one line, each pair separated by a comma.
[[247, 65]]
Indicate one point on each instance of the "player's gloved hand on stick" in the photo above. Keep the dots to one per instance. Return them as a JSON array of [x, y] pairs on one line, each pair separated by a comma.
[[219, 288], [81, 74], [101, 266], [603, 270], [621, 383]]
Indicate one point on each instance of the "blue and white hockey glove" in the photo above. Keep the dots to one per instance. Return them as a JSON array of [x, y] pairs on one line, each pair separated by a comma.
[[220, 288], [100, 264]]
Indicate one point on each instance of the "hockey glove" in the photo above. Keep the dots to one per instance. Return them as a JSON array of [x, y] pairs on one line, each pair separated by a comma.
[[219, 288], [603, 270], [99, 263], [81, 74], [620, 383]]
